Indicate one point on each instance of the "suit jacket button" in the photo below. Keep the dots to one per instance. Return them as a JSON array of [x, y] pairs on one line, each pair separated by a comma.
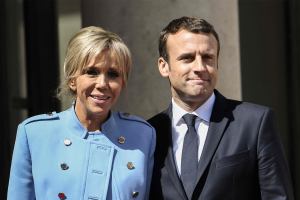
[[135, 194], [64, 166]]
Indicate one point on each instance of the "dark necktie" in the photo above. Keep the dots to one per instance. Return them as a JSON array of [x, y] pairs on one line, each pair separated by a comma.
[[189, 157]]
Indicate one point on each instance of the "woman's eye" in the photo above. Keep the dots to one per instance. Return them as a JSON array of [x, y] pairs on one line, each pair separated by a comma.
[[113, 73], [92, 72]]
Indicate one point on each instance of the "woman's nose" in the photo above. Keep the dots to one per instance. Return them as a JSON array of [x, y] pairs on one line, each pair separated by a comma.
[[101, 81]]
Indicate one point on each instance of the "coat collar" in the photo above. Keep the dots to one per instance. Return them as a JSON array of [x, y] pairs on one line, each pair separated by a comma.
[[71, 121]]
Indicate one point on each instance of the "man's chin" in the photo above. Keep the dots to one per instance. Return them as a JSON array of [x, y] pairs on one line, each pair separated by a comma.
[[199, 95], [200, 92]]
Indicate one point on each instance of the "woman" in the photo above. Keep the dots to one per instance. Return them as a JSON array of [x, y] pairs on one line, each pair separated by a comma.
[[87, 151]]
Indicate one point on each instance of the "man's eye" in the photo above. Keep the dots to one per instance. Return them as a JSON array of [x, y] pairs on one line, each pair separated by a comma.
[[113, 73], [207, 57], [92, 72], [187, 59]]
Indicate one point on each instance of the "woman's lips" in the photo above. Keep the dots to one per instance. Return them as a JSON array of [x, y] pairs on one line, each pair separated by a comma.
[[100, 98]]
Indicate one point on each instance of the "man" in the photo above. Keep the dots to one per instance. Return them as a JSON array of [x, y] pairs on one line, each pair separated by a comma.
[[226, 149]]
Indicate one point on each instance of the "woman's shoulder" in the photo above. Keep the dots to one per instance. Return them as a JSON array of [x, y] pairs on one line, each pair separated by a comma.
[[41, 117], [46, 118], [43, 124], [50, 116], [131, 119], [136, 127]]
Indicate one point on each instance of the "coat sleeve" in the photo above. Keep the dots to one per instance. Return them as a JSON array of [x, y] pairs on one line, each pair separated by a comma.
[[21, 185], [150, 163], [274, 175]]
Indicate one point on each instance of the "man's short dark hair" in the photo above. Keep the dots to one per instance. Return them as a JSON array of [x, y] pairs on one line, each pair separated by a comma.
[[192, 24]]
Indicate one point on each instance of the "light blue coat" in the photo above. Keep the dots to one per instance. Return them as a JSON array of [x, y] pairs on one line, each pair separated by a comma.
[[52, 159]]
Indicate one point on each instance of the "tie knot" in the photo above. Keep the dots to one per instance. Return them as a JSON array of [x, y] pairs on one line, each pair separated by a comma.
[[189, 119]]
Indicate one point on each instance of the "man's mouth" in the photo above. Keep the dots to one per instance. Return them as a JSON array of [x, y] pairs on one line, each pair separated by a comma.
[[198, 80]]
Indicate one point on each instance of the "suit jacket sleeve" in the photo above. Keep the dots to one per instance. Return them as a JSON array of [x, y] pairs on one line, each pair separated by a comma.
[[21, 181], [150, 163], [274, 176]]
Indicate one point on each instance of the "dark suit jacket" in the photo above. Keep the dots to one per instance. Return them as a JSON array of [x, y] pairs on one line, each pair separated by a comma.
[[242, 157]]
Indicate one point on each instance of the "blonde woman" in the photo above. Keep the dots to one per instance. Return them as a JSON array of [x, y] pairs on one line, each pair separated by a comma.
[[87, 151]]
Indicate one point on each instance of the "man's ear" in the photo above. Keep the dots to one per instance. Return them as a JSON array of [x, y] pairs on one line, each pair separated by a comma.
[[163, 67]]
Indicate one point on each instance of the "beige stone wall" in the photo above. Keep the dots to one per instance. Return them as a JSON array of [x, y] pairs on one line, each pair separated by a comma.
[[69, 22], [139, 24]]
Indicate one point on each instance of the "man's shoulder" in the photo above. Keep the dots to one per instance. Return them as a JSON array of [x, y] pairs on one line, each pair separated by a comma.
[[239, 105], [163, 115], [247, 109], [235, 108], [161, 119], [245, 105]]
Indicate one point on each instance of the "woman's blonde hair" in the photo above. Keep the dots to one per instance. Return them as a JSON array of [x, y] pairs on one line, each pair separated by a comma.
[[85, 45]]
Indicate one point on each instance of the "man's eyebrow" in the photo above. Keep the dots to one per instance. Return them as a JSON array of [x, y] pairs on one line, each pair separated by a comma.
[[211, 54], [185, 55]]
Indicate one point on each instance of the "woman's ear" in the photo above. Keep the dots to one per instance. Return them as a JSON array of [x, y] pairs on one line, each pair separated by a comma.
[[72, 84], [163, 67]]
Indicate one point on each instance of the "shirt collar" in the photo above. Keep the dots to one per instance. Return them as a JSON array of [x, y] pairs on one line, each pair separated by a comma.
[[203, 112]]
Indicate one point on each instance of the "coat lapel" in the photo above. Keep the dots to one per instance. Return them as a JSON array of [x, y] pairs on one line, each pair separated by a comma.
[[218, 123], [217, 126], [170, 160]]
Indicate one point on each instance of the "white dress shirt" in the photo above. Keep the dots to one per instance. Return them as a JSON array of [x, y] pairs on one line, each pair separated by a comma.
[[179, 127]]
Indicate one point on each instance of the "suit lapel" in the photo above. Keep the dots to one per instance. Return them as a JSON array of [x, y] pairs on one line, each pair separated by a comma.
[[215, 132], [170, 160], [172, 172], [218, 124]]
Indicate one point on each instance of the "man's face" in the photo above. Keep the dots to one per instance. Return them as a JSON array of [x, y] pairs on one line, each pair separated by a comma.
[[192, 67]]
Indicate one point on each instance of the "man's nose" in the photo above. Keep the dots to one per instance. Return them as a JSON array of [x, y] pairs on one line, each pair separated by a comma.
[[199, 64]]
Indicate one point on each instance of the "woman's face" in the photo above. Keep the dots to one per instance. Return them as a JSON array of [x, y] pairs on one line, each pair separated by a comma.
[[97, 88]]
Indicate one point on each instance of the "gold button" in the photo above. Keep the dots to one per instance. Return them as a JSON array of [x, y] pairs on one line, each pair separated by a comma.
[[130, 165], [121, 139], [67, 142], [64, 166], [135, 194]]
